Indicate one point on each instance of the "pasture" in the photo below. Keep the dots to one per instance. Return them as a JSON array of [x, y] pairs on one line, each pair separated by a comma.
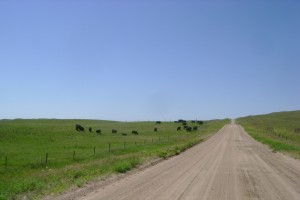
[[280, 130], [41, 157]]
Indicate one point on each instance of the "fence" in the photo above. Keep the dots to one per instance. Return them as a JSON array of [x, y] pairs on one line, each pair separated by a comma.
[[270, 131], [79, 153]]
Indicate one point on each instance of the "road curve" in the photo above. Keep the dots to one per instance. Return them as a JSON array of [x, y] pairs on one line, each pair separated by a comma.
[[230, 165]]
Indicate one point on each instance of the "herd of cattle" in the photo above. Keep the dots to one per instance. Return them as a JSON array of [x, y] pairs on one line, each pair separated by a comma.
[[184, 123]]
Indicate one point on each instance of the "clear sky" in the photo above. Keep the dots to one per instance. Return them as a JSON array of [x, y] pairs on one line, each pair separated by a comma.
[[148, 60]]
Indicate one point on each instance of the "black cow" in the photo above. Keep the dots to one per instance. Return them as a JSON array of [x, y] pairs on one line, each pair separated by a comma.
[[98, 131], [79, 127], [114, 131], [200, 122], [158, 122], [178, 128], [182, 121], [124, 134], [188, 129], [134, 132], [155, 129], [195, 128], [90, 129]]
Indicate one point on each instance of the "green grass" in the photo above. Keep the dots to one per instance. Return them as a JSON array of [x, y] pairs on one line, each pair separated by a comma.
[[25, 144], [126, 165], [277, 130]]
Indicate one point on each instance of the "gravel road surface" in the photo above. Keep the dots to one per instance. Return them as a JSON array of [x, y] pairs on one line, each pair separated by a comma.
[[230, 165]]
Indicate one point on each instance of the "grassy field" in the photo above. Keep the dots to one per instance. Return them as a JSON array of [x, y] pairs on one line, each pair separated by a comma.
[[41, 157], [280, 131]]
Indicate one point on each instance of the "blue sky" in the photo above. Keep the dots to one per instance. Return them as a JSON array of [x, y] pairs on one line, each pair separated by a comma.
[[148, 60]]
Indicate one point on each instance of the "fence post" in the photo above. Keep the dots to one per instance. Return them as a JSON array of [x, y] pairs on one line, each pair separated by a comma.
[[74, 155], [6, 162], [46, 162]]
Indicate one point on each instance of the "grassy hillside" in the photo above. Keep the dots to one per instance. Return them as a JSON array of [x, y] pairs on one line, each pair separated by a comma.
[[43, 156], [280, 131]]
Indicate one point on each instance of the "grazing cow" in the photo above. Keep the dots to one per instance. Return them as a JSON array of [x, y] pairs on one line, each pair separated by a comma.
[[90, 129], [155, 129], [134, 132], [158, 122], [124, 134], [200, 122], [178, 128], [184, 123], [114, 131], [195, 128], [98, 131], [79, 127], [188, 129]]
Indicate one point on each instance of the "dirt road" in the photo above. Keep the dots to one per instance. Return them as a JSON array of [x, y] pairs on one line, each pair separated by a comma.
[[230, 165]]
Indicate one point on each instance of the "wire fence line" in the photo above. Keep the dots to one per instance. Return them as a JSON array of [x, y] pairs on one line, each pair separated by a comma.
[[46, 158]]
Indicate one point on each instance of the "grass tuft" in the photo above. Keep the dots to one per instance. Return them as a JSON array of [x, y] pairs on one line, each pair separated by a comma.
[[127, 164]]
